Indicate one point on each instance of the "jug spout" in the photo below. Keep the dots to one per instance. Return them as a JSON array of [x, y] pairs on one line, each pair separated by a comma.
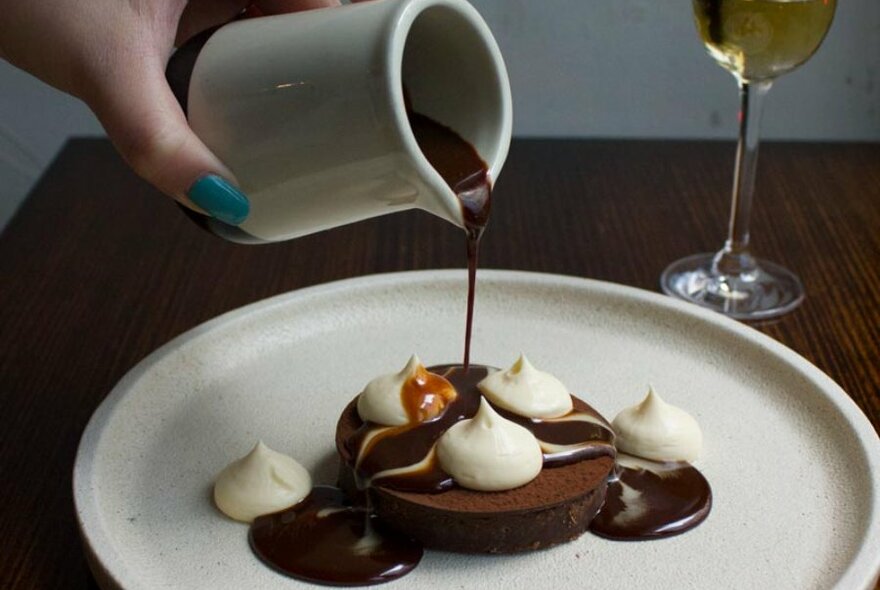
[[445, 205], [450, 74]]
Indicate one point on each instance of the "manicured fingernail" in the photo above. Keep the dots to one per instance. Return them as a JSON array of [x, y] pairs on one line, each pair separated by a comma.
[[219, 198]]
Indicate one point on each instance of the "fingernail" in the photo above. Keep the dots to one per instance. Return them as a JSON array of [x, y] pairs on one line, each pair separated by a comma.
[[219, 198]]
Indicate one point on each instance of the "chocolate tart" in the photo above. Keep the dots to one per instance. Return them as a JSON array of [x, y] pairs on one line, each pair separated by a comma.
[[555, 507]]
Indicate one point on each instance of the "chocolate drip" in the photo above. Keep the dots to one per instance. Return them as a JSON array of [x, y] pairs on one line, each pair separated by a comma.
[[402, 446], [467, 175], [670, 498], [378, 449], [429, 479], [325, 540], [583, 439]]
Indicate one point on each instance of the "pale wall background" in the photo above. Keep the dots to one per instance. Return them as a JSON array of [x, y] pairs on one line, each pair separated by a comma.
[[583, 68]]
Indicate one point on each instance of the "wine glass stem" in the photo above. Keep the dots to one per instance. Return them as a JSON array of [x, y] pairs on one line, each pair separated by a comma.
[[734, 259]]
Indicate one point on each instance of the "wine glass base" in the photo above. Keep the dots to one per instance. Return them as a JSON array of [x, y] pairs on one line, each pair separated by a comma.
[[768, 292]]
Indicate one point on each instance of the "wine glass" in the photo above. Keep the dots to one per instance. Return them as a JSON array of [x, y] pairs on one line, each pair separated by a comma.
[[756, 40]]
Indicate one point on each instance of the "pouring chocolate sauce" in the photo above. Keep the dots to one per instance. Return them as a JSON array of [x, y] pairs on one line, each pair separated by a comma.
[[325, 539], [454, 158], [254, 72], [467, 175]]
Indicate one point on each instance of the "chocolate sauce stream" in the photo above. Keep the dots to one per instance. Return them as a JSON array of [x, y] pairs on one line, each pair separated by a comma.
[[324, 539], [459, 164], [473, 253]]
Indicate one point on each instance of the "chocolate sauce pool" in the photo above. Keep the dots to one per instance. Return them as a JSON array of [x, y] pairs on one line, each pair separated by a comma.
[[651, 500], [326, 540]]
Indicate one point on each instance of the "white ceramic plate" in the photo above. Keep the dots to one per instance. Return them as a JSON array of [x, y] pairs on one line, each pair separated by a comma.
[[794, 465]]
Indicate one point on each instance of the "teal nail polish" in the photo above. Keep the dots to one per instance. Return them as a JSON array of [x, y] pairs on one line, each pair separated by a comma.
[[219, 198]]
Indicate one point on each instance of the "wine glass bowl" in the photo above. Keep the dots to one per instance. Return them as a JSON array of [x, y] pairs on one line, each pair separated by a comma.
[[762, 39], [757, 41]]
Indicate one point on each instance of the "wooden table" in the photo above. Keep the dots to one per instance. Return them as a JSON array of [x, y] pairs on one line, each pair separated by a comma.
[[97, 270]]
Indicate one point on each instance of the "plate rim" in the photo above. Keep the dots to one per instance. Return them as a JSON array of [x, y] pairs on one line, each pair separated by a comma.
[[109, 568]]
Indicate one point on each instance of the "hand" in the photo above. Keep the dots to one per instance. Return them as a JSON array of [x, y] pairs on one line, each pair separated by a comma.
[[112, 55]]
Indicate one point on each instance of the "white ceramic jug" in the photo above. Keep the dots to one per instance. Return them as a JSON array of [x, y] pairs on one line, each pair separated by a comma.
[[307, 109]]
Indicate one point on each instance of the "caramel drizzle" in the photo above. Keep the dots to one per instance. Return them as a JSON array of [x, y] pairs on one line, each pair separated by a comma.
[[425, 395], [403, 457]]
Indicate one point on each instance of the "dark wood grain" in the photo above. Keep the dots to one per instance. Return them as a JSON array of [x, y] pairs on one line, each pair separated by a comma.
[[97, 270]]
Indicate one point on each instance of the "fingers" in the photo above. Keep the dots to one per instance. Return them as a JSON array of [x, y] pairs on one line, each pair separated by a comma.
[[283, 6], [200, 15], [148, 127]]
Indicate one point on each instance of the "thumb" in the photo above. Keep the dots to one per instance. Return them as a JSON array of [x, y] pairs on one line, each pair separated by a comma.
[[147, 125]]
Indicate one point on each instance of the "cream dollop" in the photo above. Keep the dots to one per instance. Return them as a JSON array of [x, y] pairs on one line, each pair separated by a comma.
[[380, 401], [262, 482], [526, 391], [658, 431], [489, 453]]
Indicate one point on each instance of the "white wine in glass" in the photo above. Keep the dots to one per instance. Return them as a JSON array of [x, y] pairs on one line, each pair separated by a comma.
[[756, 40]]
